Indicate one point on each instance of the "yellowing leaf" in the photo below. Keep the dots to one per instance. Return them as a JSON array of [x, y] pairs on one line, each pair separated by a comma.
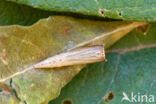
[[22, 47]]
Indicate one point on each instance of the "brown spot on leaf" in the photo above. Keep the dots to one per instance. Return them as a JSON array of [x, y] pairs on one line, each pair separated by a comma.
[[109, 96], [6, 90], [105, 60], [67, 30], [67, 102], [143, 29]]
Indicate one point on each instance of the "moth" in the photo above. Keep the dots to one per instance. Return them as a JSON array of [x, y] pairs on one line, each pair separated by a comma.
[[84, 55]]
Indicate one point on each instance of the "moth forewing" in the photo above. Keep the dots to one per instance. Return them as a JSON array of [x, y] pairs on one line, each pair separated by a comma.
[[79, 56]]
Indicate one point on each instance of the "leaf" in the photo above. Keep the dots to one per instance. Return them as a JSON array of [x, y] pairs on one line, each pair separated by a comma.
[[140, 10], [11, 13], [130, 68], [22, 47]]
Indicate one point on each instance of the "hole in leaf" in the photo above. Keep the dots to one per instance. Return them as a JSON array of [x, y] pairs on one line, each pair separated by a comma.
[[120, 14], [101, 12], [109, 97], [67, 102]]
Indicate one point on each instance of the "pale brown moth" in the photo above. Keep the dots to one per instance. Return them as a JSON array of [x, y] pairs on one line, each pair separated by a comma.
[[84, 55]]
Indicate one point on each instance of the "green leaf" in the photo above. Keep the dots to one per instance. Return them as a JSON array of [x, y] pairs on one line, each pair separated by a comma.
[[131, 67], [140, 10], [22, 47], [11, 13]]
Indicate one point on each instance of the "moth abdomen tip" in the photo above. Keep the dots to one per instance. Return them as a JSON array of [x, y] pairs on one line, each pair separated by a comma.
[[37, 66]]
